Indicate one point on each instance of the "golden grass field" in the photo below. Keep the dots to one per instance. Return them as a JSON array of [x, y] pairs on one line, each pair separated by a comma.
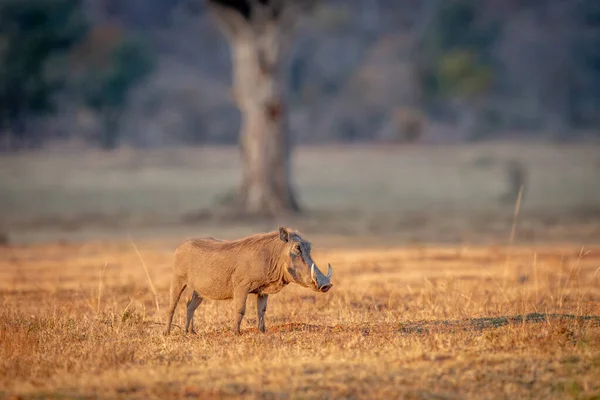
[[411, 322], [433, 296]]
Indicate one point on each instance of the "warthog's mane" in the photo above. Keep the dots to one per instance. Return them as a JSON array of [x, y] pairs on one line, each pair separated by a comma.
[[257, 241]]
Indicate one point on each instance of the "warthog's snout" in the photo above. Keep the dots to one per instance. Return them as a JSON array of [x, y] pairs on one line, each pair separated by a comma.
[[325, 288], [322, 282]]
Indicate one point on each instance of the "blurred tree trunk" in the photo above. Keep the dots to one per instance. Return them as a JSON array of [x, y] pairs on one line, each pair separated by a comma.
[[264, 137], [467, 118], [258, 33], [109, 134]]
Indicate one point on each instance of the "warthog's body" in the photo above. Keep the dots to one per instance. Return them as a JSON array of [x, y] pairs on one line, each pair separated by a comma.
[[261, 264]]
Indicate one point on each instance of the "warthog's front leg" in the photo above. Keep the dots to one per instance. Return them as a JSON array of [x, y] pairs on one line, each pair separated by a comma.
[[239, 302], [261, 307], [192, 304]]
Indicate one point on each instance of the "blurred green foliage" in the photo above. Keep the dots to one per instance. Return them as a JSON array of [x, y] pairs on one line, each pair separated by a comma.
[[461, 73], [106, 79], [457, 53], [35, 37], [586, 54], [47, 47]]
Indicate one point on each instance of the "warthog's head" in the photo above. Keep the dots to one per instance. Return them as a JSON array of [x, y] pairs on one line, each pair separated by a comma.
[[300, 265]]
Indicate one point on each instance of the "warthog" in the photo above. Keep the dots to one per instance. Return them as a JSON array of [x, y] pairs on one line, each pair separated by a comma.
[[261, 264]]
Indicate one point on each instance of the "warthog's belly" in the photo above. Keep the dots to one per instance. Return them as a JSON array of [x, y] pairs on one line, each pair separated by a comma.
[[214, 289]]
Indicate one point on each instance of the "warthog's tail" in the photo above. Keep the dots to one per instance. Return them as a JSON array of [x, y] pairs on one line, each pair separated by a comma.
[[178, 285]]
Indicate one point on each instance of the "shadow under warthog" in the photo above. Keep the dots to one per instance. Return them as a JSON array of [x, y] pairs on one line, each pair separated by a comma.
[[484, 323], [417, 327]]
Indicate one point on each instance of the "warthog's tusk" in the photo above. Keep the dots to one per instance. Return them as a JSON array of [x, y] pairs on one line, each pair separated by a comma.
[[312, 272], [329, 272]]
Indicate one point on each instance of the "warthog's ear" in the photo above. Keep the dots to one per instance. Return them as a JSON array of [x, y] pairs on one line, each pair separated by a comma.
[[284, 234]]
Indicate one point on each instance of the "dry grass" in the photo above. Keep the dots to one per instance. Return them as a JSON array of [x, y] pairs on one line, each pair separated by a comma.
[[412, 322]]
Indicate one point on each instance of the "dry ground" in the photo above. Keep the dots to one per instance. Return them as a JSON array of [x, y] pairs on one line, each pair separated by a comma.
[[412, 322]]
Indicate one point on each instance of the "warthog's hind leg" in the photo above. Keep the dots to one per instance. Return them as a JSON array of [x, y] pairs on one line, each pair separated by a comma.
[[261, 307], [192, 304], [178, 285], [240, 296]]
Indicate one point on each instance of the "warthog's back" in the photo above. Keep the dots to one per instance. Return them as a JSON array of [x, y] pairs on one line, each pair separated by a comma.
[[213, 267]]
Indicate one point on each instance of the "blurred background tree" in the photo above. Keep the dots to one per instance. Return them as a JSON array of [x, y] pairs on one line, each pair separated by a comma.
[[108, 65], [458, 64], [35, 38], [463, 78], [260, 34]]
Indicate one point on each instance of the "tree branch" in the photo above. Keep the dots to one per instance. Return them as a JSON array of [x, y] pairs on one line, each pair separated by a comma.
[[292, 11], [238, 16], [232, 21]]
